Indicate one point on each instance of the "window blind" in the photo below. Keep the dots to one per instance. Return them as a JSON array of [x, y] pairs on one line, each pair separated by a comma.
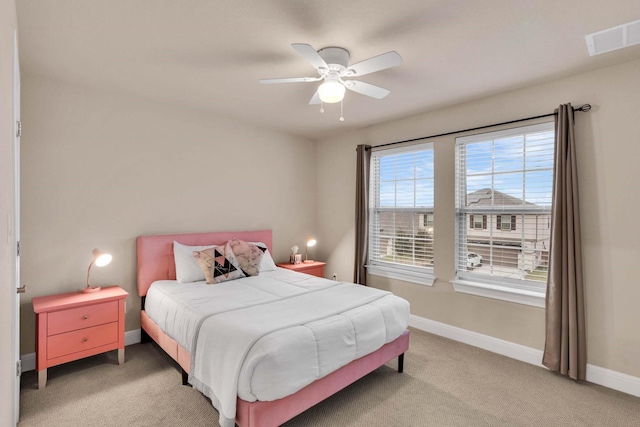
[[503, 205], [401, 207]]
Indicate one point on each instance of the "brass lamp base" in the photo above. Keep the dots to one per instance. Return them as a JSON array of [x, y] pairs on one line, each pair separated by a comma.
[[308, 261], [90, 290]]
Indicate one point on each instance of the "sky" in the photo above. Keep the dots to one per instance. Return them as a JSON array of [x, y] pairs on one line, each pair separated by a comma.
[[406, 180], [520, 166]]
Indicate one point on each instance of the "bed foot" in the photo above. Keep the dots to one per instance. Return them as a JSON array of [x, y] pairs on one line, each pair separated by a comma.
[[144, 336], [185, 377], [401, 363]]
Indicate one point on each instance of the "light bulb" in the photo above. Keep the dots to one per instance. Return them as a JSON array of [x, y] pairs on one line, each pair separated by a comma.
[[331, 91], [103, 260]]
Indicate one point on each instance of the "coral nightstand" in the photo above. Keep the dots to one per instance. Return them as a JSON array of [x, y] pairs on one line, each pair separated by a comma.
[[77, 325], [315, 268]]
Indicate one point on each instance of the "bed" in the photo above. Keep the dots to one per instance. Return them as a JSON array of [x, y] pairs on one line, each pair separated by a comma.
[[156, 266]]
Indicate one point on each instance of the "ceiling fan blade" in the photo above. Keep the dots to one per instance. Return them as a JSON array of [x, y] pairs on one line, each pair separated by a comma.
[[291, 80], [315, 99], [371, 65], [367, 89], [310, 54]]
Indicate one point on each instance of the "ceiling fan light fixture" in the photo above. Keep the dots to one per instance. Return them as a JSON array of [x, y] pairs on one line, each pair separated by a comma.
[[331, 91], [332, 64]]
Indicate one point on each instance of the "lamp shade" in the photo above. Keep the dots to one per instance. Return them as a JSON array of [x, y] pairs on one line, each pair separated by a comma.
[[311, 242], [100, 259], [331, 91]]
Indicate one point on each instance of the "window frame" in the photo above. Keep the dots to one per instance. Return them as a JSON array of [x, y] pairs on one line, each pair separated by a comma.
[[405, 272], [426, 220], [482, 222], [522, 291], [500, 222]]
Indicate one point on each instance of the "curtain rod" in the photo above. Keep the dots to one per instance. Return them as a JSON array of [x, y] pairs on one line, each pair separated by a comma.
[[583, 108]]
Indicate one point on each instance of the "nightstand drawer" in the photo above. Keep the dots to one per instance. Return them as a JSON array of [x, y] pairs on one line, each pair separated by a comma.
[[314, 271], [82, 317], [314, 268], [83, 339]]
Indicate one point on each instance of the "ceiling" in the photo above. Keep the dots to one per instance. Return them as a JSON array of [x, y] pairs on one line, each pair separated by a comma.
[[208, 55]]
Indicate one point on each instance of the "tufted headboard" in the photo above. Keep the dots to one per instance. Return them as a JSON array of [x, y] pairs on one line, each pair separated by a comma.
[[155, 253]]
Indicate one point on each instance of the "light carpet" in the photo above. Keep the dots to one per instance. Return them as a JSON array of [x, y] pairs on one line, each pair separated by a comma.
[[445, 383]]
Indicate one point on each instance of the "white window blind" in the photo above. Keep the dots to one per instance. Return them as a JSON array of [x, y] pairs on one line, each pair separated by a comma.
[[401, 209], [503, 206]]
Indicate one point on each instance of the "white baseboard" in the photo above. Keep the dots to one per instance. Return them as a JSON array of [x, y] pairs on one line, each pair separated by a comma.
[[485, 342], [28, 362], [595, 374], [613, 379], [29, 359], [132, 337]]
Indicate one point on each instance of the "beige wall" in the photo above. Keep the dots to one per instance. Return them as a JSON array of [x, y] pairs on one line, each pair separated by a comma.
[[7, 275], [100, 169], [608, 140]]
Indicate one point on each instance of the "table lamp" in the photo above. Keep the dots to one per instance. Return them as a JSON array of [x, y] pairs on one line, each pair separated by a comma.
[[100, 259], [310, 243]]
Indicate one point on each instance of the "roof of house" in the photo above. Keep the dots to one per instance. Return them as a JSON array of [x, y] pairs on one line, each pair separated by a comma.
[[483, 198]]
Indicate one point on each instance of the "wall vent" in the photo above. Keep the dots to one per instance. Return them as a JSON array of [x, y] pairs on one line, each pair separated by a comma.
[[615, 38]]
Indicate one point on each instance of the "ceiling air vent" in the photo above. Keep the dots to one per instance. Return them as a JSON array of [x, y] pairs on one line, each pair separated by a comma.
[[624, 35]]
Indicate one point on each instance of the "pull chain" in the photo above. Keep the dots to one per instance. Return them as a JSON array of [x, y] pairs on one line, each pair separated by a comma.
[[341, 109]]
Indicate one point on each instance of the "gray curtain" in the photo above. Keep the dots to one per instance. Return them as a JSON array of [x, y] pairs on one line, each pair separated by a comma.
[[362, 213], [565, 349]]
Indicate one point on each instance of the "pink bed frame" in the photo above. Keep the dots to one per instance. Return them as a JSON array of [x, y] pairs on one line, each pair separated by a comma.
[[155, 262]]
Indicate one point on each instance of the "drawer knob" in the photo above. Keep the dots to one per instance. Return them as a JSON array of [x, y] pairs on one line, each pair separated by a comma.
[[85, 317], [84, 339]]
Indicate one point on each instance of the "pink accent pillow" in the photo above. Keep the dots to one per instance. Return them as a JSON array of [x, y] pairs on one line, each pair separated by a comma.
[[249, 256], [218, 264]]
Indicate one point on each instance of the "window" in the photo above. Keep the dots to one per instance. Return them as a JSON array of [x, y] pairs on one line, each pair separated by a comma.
[[506, 222], [503, 208], [478, 221], [402, 222], [426, 221]]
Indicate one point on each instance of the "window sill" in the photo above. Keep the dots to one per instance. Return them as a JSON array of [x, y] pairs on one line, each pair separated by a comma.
[[421, 278], [496, 291]]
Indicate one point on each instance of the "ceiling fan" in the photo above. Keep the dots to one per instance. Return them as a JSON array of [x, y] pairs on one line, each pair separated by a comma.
[[332, 64]]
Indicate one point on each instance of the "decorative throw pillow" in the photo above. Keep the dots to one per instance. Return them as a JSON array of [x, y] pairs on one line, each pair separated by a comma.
[[267, 263], [218, 264], [248, 255], [187, 269]]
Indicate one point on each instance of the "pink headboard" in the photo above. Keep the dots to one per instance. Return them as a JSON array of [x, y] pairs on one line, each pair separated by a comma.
[[155, 253]]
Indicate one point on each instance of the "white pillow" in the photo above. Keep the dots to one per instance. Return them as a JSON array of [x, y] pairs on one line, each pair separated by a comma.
[[267, 263], [187, 268]]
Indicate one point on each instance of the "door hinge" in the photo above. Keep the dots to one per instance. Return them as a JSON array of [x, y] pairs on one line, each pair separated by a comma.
[[18, 248], [18, 368], [18, 128]]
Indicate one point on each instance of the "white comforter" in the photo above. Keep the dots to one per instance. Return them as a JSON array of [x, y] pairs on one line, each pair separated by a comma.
[[266, 337]]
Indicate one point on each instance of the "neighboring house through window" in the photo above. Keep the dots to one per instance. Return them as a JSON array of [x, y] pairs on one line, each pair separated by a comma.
[[401, 219], [503, 208]]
